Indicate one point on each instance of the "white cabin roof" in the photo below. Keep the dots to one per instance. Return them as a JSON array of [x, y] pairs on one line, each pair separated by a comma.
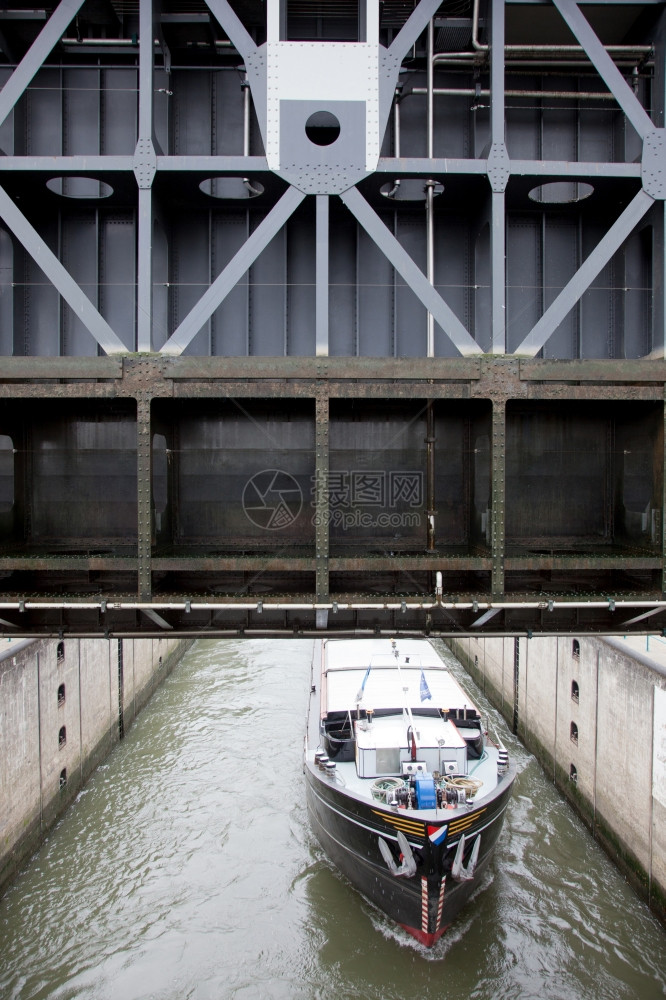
[[341, 654], [346, 666], [391, 732]]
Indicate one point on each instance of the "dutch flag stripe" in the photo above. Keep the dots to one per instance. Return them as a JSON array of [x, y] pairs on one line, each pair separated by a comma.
[[437, 834]]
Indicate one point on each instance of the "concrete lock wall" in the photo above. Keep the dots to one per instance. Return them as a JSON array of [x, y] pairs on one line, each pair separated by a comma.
[[593, 712], [63, 705]]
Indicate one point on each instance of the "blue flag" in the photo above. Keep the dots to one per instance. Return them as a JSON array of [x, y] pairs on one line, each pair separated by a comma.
[[359, 695], [425, 690]]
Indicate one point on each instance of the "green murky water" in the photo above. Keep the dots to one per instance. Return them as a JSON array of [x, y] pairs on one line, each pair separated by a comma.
[[186, 869]]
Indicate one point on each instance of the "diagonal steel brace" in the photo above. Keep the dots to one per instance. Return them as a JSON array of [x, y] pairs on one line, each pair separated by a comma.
[[585, 275], [233, 272], [32, 61], [605, 67], [65, 285], [408, 270]]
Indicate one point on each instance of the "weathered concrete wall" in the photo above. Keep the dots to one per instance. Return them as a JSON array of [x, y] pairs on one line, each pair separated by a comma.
[[594, 714], [61, 711]]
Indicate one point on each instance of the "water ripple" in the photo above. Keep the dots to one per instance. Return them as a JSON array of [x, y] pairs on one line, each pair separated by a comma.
[[187, 869]]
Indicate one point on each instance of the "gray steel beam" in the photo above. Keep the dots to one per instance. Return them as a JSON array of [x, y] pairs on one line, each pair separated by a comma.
[[605, 66], [48, 37], [574, 169], [422, 166], [498, 271], [390, 59], [158, 619], [498, 216], [640, 618], [60, 165], [585, 275], [412, 28], [497, 72], [240, 165], [145, 172], [321, 277], [144, 268], [411, 274], [485, 617], [233, 272], [147, 9], [417, 166], [233, 26], [59, 276]]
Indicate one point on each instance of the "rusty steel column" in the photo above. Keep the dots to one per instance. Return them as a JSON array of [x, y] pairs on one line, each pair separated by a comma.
[[321, 492], [498, 497], [144, 525], [430, 477]]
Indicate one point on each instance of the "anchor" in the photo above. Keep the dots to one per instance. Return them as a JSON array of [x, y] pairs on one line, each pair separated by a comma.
[[408, 865], [459, 872]]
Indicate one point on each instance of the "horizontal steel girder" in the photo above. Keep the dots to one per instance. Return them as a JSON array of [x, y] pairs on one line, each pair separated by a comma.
[[122, 478], [83, 584], [300, 620]]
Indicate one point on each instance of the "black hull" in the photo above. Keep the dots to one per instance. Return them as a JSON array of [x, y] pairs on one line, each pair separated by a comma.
[[425, 904]]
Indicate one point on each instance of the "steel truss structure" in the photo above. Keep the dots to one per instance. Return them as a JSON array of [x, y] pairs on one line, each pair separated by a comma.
[[332, 316]]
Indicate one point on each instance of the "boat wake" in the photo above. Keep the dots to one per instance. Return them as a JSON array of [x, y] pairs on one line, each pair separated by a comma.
[[439, 951]]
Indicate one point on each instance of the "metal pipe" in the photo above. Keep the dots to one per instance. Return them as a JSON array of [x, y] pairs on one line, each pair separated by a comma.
[[479, 47], [471, 59], [635, 50], [243, 632], [219, 43], [469, 92], [100, 41], [573, 64], [475, 29], [544, 605], [251, 190], [430, 260], [396, 139], [396, 121], [430, 83], [246, 116]]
